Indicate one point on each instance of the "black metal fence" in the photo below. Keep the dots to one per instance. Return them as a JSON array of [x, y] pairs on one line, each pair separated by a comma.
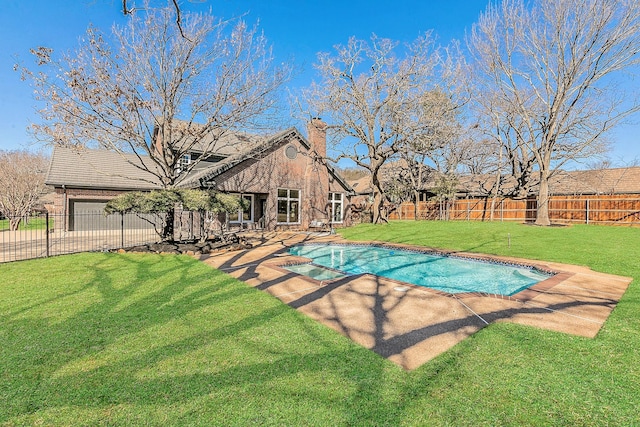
[[44, 234]]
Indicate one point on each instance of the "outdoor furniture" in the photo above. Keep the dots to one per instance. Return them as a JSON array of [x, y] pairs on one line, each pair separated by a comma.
[[319, 224]]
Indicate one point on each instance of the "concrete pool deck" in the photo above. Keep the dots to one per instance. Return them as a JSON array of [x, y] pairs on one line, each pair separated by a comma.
[[411, 325]]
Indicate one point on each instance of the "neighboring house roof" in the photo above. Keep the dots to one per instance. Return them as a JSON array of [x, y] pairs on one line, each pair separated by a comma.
[[390, 170], [562, 183], [580, 182], [597, 181], [362, 185], [84, 168]]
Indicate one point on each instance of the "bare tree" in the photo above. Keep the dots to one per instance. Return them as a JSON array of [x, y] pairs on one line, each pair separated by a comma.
[[371, 94], [548, 70], [156, 94], [435, 149], [127, 9], [22, 176]]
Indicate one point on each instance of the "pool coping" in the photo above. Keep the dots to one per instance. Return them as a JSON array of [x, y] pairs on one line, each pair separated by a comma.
[[412, 326]]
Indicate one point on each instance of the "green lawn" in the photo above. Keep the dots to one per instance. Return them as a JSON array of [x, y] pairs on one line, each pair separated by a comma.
[[122, 339], [32, 224]]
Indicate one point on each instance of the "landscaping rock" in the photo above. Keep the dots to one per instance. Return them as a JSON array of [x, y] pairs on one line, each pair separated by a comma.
[[163, 248], [189, 247], [231, 242]]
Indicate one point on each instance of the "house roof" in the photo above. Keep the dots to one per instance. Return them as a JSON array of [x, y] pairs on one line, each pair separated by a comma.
[[84, 168], [257, 146], [215, 142], [104, 169], [362, 185], [597, 181], [390, 170], [228, 144], [564, 183]]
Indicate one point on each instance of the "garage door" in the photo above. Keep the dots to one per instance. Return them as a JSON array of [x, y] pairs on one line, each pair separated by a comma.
[[88, 215]]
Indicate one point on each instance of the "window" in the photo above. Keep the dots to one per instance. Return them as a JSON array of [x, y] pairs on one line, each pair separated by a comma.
[[288, 206], [291, 152], [183, 163], [247, 214], [335, 201]]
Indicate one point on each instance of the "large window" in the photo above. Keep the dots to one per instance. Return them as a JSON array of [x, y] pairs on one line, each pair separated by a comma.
[[336, 203], [246, 214], [288, 206]]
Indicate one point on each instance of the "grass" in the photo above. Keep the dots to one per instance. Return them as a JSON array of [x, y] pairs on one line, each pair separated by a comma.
[[123, 339], [32, 224]]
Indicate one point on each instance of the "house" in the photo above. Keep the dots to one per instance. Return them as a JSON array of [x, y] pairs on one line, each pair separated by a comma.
[[395, 174], [591, 182], [284, 177]]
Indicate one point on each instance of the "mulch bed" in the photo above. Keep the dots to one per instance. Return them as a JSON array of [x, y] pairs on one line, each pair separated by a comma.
[[193, 247]]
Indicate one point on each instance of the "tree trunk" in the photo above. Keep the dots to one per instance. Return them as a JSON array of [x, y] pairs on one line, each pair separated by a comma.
[[168, 229], [14, 223], [542, 217], [377, 208], [377, 198]]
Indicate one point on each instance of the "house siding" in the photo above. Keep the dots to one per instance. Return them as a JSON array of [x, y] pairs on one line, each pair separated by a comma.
[[273, 171], [63, 196], [262, 175]]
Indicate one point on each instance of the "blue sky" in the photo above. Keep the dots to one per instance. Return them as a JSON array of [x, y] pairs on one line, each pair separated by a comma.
[[297, 29]]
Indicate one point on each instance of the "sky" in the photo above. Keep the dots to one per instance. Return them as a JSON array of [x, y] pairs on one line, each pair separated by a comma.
[[297, 30]]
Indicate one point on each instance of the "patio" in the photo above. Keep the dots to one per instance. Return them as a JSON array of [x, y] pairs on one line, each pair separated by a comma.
[[411, 325]]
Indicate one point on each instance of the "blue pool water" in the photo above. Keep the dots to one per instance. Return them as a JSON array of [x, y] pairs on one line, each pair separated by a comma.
[[444, 273]]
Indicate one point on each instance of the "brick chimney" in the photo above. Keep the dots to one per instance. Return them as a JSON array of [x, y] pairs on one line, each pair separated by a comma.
[[317, 134]]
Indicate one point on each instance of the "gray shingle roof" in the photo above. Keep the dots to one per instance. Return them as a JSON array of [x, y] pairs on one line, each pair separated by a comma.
[[258, 146], [199, 177], [104, 169], [99, 169]]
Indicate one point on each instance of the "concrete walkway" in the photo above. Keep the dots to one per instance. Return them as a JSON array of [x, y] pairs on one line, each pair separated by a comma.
[[410, 325]]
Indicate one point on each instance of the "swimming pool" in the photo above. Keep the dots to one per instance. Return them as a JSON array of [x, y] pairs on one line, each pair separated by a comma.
[[445, 273], [314, 271]]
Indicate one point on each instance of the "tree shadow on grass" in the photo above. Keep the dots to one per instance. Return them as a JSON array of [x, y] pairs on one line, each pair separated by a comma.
[[175, 332], [165, 335]]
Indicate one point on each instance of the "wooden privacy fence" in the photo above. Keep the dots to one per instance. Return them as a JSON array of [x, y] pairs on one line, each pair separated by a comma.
[[610, 210]]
